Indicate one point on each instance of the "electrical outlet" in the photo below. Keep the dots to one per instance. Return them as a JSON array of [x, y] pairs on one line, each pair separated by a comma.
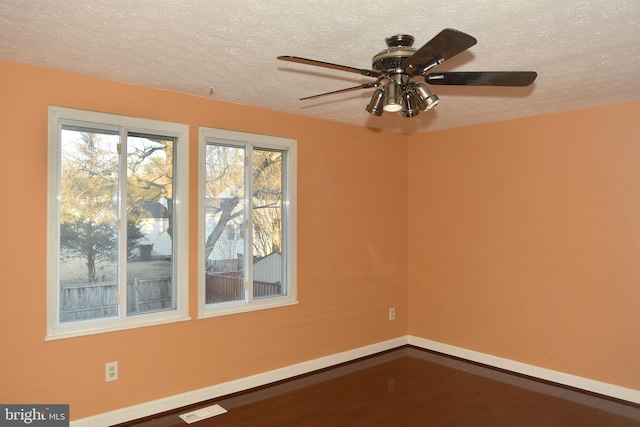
[[111, 371], [392, 314]]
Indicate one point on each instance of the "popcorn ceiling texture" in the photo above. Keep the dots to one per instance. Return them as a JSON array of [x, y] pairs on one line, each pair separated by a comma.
[[586, 52]]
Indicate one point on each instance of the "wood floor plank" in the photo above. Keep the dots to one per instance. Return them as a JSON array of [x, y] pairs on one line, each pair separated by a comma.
[[410, 387]]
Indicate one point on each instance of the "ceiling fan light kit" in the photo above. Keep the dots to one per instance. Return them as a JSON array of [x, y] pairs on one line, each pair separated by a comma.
[[400, 64], [376, 104], [410, 104], [428, 98], [392, 97]]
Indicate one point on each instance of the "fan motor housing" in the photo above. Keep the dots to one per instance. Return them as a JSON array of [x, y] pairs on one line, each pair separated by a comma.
[[398, 50]]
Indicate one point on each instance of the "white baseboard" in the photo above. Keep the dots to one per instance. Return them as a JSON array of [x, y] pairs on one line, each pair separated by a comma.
[[212, 392], [570, 380]]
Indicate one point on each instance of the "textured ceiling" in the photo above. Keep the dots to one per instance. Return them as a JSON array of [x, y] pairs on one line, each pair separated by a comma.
[[586, 52]]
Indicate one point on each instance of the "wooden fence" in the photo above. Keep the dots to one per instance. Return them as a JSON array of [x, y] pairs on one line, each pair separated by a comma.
[[224, 288], [150, 295], [99, 300], [88, 301]]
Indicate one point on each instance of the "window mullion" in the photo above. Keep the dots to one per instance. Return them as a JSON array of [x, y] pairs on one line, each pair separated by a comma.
[[248, 232], [53, 260], [122, 225], [285, 215]]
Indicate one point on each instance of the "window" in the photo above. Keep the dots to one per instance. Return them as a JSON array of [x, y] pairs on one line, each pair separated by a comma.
[[117, 238], [247, 222]]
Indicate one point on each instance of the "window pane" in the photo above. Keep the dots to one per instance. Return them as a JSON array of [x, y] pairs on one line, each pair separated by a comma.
[[224, 210], [150, 269], [267, 223], [88, 224]]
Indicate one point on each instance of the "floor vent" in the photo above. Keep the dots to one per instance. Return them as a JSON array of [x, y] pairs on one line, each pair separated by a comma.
[[203, 413]]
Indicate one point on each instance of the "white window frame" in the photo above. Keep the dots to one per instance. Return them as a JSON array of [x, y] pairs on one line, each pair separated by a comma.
[[289, 214], [56, 329]]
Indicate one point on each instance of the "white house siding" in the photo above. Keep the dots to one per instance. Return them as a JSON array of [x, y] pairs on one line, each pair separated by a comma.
[[268, 269]]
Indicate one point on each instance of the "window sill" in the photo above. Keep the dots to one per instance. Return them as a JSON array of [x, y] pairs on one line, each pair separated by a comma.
[[237, 307], [100, 327]]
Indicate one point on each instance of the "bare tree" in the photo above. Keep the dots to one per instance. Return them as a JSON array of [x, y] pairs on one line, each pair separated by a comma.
[[225, 195], [88, 214]]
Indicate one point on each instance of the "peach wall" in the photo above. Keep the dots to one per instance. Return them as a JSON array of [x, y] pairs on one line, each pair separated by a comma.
[[525, 240], [352, 252]]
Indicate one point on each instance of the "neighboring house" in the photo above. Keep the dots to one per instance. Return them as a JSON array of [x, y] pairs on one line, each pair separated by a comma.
[[228, 252], [156, 243], [230, 245], [268, 269]]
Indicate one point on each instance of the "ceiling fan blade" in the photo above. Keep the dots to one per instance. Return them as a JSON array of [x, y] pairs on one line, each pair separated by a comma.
[[444, 45], [482, 78], [362, 86], [364, 72]]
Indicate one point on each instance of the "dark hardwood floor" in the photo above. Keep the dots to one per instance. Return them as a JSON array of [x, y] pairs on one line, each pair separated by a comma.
[[411, 387]]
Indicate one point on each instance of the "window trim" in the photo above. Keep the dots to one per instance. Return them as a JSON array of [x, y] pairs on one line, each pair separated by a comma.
[[55, 329], [290, 212]]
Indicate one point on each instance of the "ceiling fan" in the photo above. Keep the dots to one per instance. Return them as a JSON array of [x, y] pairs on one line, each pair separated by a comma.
[[400, 64]]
